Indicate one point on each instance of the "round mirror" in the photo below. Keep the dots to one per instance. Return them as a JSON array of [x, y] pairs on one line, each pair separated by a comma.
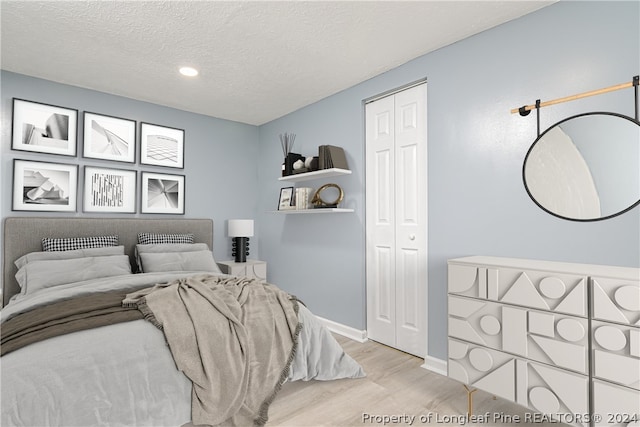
[[585, 167]]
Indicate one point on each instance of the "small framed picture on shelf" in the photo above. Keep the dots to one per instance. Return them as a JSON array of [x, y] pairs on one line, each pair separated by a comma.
[[162, 193], [45, 187], [109, 190], [286, 200], [44, 128], [109, 138], [161, 146]]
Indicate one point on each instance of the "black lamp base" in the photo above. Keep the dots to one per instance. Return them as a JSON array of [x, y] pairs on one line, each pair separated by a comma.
[[240, 249]]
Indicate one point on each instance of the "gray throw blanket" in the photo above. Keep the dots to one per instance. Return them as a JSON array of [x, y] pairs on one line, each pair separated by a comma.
[[233, 337]]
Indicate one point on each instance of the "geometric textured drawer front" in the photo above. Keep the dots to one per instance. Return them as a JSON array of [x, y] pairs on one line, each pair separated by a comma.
[[563, 293], [465, 280], [546, 389], [617, 406], [251, 268], [546, 337], [555, 391], [487, 369], [616, 300], [259, 271], [616, 354]]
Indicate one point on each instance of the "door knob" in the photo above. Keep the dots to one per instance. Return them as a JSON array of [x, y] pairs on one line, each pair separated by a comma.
[[412, 237]]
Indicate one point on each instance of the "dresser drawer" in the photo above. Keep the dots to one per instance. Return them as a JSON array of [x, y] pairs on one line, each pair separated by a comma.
[[616, 300], [616, 353], [560, 394], [542, 336], [470, 363], [251, 268], [258, 270], [615, 405], [564, 293]]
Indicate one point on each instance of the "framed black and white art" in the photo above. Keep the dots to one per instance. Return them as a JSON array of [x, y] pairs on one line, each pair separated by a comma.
[[161, 146], [162, 193], [109, 190], [42, 186], [44, 128], [286, 200], [109, 138]]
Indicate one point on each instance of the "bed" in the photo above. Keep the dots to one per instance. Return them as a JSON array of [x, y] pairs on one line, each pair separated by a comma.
[[141, 348]]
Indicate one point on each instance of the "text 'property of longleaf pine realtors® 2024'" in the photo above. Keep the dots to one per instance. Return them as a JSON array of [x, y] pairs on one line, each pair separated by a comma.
[[431, 418]]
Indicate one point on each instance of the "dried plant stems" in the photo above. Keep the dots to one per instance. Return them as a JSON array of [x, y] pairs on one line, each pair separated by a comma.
[[286, 142]]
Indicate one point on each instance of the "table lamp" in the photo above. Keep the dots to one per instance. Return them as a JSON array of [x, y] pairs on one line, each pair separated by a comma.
[[240, 230]]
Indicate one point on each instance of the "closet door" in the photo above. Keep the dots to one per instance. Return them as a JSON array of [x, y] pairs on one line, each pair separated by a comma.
[[411, 219], [396, 194], [380, 221]]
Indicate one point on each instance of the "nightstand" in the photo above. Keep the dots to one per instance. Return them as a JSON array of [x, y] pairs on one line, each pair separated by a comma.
[[252, 268]]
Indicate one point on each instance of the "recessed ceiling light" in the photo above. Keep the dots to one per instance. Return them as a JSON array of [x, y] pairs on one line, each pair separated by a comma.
[[188, 71]]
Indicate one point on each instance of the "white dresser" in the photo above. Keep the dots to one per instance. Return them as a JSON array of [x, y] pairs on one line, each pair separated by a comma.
[[562, 339]]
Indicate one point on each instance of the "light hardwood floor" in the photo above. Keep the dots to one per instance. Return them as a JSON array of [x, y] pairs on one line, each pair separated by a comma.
[[396, 385]]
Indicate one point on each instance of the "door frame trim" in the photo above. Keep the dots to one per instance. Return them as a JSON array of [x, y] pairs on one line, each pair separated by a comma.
[[394, 91]]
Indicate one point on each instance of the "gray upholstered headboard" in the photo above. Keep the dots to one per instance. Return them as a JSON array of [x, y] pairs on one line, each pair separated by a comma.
[[24, 234]]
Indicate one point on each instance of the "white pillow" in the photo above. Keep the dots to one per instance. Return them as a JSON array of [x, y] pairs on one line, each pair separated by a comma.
[[77, 253], [169, 248], [38, 275], [179, 261]]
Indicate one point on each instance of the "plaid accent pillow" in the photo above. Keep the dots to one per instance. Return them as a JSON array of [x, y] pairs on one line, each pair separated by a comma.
[[72, 243], [149, 239]]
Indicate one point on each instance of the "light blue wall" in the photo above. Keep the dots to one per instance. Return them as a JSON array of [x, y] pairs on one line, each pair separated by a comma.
[[476, 199], [220, 156]]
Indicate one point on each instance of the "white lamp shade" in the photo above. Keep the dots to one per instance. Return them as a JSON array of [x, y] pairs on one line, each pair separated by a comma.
[[240, 228]]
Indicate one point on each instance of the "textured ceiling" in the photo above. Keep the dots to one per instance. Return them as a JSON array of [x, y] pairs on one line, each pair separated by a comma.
[[258, 60]]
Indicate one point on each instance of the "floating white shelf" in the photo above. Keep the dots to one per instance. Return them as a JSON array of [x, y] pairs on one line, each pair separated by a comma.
[[322, 173], [313, 211]]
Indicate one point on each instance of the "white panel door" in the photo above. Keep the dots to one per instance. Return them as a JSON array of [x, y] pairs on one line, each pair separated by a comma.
[[411, 214], [396, 195], [380, 213]]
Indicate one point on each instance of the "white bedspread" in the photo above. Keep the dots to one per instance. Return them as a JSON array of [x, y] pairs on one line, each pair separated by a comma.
[[123, 374]]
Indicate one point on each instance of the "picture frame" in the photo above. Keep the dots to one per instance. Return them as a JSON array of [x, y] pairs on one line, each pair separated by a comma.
[[109, 138], [44, 186], [286, 200], [162, 193], [109, 190], [44, 128], [161, 146]]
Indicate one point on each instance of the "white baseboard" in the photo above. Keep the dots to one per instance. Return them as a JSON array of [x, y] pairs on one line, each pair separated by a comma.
[[347, 331], [433, 364], [438, 366]]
